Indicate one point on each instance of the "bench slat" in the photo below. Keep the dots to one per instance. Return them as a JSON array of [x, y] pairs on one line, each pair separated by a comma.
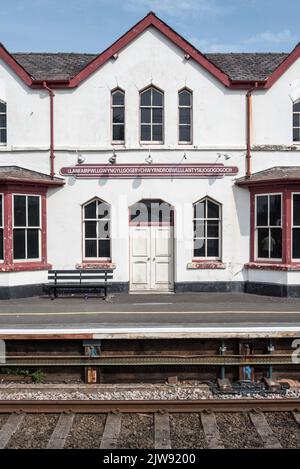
[[77, 277], [78, 285], [85, 271]]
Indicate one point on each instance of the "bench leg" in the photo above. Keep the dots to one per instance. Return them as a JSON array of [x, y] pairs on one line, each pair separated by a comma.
[[51, 293]]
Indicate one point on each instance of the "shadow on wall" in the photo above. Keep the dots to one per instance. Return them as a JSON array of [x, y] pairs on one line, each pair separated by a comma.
[[242, 203]]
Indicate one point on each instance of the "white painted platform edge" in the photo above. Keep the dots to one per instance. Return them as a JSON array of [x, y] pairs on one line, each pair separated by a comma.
[[161, 332]]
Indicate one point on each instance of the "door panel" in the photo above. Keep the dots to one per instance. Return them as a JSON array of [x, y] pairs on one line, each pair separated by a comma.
[[140, 249], [151, 259], [161, 258], [140, 273]]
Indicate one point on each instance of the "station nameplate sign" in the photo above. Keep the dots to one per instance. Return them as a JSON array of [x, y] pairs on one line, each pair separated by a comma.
[[128, 171]]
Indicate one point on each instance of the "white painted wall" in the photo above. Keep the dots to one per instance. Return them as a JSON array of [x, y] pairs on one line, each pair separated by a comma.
[[82, 121]]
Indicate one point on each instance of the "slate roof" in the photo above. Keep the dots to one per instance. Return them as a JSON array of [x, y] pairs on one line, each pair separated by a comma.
[[15, 174], [58, 66], [65, 66], [279, 174], [248, 66]]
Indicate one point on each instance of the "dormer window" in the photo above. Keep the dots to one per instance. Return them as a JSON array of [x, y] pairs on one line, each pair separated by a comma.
[[3, 123]]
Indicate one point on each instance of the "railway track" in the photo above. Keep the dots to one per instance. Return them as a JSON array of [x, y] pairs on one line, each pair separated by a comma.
[[213, 423]]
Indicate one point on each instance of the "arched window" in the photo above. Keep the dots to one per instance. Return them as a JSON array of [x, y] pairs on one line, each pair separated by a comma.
[[3, 123], [207, 229], [152, 115], [296, 121], [96, 230], [118, 115], [151, 212], [185, 111]]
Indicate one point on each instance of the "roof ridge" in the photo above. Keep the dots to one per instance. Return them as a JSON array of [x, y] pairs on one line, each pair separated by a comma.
[[54, 53]]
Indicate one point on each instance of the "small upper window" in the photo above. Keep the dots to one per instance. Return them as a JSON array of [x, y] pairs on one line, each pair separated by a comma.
[[3, 123], [296, 122], [152, 115], [185, 116], [118, 115]]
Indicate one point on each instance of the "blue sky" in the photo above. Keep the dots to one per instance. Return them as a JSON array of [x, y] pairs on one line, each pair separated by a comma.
[[92, 25]]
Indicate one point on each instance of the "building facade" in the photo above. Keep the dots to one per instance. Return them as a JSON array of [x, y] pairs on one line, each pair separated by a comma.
[[179, 170]]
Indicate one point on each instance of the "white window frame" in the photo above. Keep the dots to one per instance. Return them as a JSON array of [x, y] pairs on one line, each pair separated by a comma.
[[85, 258], [113, 124], [209, 258], [4, 144], [269, 227], [190, 107], [2, 226], [296, 259], [26, 228], [293, 126], [151, 124]]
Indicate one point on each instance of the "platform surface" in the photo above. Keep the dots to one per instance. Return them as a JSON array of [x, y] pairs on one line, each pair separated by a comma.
[[164, 315]]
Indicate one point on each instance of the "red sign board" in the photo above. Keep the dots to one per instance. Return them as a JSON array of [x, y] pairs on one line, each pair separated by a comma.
[[126, 171]]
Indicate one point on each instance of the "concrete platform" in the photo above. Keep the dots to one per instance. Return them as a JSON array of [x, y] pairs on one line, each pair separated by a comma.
[[152, 316]]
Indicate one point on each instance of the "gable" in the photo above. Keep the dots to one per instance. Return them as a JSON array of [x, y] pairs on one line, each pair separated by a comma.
[[69, 70]]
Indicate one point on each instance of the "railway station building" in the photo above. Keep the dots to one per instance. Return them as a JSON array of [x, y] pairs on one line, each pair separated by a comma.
[[178, 170]]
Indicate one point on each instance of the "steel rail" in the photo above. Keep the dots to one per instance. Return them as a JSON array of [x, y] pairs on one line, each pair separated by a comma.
[[217, 360], [172, 406]]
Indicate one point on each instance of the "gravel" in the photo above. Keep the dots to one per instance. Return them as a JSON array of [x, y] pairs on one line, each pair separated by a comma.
[[137, 432], [186, 431], [155, 393], [34, 432], [171, 392], [237, 431], [86, 432], [285, 428]]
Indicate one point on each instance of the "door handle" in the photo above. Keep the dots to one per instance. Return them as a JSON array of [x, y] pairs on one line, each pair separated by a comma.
[[148, 259], [154, 259]]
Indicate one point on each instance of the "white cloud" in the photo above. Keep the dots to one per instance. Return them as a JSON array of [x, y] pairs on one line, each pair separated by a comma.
[[213, 45], [176, 7], [283, 36]]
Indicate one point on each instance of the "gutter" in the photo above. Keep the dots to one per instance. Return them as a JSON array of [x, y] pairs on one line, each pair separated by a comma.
[[52, 156], [249, 125]]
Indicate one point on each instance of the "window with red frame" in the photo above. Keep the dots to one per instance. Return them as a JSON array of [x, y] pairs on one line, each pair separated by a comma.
[[1, 228], [26, 227], [296, 226], [268, 226]]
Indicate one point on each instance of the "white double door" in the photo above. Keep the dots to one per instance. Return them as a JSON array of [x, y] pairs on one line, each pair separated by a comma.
[[151, 258]]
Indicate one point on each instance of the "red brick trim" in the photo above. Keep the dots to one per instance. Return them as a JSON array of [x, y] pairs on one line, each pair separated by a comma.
[[24, 267], [96, 265], [270, 266], [198, 265]]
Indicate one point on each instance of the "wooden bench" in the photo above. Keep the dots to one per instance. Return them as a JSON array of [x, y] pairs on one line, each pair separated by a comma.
[[83, 279]]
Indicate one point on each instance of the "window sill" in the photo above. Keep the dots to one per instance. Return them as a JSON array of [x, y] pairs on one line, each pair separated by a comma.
[[194, 265], [96, 265], [24, 267], [272, 266]]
